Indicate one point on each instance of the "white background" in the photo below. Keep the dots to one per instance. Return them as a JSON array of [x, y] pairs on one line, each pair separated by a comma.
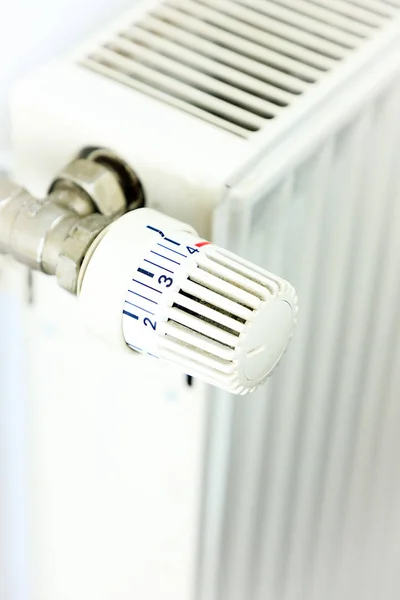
[[33, 32]]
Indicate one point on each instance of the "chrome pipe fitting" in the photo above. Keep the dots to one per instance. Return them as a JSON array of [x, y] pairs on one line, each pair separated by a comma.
[[53, 234]]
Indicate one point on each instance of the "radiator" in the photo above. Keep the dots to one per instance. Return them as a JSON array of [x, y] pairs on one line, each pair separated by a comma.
[[307, 471], [298, 484]]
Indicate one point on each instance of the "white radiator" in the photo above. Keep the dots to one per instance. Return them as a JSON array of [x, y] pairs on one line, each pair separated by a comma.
[[307, 471], [278, 120]]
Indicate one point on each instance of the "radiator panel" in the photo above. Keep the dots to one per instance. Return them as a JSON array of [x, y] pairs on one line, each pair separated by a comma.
[[307, 500]]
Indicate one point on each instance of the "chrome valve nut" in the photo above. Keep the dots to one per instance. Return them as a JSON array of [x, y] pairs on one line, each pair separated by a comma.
[[74, 249], [97, 181]]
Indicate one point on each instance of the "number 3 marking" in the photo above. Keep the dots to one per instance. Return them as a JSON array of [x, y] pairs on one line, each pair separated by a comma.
[[167, 280]]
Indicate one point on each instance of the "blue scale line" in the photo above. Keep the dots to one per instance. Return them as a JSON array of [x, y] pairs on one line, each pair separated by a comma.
[[170, 249], [159, 266], [144, 297], [172, 241], [148, 286], [154, 229], [128, 314], [144, 272], [162, 256], [135, 348], [139, 307]]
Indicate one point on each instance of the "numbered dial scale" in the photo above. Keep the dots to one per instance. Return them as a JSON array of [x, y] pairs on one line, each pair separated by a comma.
[[185, 300]]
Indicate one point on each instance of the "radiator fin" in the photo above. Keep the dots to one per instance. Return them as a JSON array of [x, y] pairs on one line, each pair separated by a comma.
[[237, 64]]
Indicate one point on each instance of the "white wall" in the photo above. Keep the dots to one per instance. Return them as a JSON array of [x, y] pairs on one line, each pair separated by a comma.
[[30, 34]]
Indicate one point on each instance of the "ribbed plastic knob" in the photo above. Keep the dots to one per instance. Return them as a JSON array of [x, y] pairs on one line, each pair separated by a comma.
[[153, 283]]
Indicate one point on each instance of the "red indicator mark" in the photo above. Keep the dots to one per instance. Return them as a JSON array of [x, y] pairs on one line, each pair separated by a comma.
[[200, 244]]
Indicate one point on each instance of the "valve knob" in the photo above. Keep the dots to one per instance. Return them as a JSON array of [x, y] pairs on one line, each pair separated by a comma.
[[151, 283]]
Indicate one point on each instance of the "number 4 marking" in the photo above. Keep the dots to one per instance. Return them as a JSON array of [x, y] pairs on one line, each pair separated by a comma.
[[191, 250]]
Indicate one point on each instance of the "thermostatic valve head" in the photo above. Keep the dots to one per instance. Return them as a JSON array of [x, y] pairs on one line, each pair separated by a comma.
[[151, 283]]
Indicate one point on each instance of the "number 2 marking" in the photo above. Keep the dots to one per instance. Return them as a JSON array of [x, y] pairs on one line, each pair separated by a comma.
[[152, 324]]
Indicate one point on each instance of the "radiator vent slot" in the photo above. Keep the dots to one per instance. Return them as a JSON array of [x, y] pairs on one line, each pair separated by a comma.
[[237, 63]]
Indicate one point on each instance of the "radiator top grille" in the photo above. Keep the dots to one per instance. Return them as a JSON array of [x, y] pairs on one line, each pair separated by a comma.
[[237, 63]]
